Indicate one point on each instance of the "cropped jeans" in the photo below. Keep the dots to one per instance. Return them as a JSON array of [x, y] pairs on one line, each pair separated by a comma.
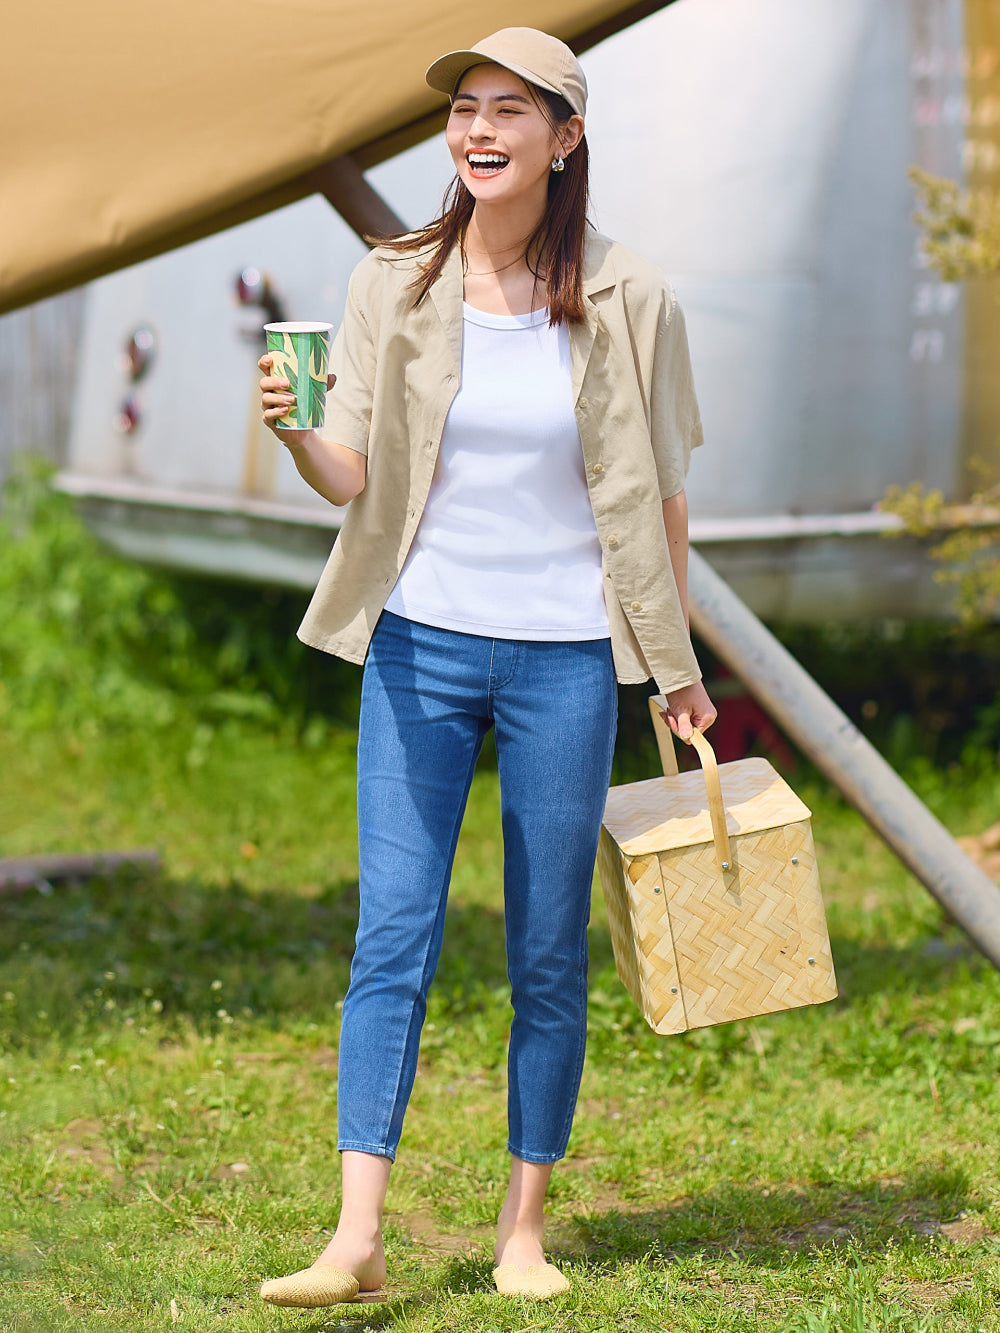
[[428, 698]]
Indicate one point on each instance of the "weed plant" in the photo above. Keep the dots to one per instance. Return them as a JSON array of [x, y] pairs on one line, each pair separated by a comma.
[[168, 1040]]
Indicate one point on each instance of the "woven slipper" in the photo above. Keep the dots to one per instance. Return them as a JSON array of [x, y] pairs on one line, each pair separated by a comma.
[[311, 1288], [542, 1281]]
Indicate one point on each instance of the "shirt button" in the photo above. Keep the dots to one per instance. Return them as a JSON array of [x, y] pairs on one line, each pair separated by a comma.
[[598, 469], [584, 404], [637, 606], [613, 543]]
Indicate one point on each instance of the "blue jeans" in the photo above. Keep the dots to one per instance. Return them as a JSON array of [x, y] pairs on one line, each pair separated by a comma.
[[428, 698]]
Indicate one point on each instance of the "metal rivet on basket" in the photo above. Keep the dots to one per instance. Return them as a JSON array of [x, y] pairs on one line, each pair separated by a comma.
[[795, 860], [725, 865], [812, 962], [673, 990], [656, 889]]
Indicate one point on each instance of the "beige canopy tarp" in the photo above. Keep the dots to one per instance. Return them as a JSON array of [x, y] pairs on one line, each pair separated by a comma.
[[134, 126]]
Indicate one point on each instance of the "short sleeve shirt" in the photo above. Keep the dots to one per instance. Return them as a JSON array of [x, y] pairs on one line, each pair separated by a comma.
[[397, 366]]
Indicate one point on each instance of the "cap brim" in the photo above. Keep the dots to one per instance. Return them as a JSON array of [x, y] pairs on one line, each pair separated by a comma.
[[445, 72]]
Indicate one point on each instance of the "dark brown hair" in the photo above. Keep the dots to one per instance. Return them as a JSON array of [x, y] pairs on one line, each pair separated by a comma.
[[557, 242]]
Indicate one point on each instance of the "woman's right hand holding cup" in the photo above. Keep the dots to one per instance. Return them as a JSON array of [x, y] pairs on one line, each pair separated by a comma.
[[276, 399], [332, 470]]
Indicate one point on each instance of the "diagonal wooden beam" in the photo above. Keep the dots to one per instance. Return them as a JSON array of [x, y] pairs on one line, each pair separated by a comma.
[[342, 182]]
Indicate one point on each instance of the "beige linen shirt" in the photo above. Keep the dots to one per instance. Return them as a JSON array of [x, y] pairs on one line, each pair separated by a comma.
[[397, 373]]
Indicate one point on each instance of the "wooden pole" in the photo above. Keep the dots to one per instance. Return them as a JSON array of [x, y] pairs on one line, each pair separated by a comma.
[[19, 873]]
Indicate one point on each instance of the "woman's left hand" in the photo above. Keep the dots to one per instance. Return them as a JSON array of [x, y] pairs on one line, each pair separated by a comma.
[[688, 708]]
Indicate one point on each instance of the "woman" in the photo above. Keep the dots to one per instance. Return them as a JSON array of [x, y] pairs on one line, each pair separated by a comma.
[[511, 419]]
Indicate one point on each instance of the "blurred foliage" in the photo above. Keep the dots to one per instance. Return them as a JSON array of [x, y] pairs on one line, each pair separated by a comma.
[[88, 639], [961, 228], [961, 239], [923, 692], [92, 643], [968, 553]]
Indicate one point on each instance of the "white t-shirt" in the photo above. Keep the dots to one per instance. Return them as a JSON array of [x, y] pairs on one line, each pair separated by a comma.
[[507, 545]]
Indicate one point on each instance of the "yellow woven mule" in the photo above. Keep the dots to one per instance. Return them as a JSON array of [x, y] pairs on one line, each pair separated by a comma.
[[541, 1281], [311, 1288]]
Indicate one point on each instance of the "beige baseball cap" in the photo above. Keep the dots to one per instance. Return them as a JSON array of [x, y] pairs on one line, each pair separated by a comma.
[[532, 55]]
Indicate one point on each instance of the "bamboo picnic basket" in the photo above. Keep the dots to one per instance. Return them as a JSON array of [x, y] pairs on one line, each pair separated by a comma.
[[712, 891]]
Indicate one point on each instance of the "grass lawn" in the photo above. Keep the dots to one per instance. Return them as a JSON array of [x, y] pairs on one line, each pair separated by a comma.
[[167, 1083], [168, 1042]]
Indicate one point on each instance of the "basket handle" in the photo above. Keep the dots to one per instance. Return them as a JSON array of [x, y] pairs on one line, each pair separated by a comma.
[[710, 772]]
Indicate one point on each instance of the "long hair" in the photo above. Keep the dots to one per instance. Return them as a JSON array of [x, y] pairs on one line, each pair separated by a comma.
[[557, 242]]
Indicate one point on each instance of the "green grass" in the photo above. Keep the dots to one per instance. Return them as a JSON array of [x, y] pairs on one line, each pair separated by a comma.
[[168, 1043]]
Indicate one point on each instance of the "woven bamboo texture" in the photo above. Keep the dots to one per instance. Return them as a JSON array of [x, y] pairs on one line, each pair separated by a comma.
[[694, 944]]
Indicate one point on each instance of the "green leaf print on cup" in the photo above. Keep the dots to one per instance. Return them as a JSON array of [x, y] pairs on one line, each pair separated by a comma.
[[300, 352]]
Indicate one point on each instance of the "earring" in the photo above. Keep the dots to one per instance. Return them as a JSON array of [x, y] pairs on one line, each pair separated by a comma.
[[558, 164]]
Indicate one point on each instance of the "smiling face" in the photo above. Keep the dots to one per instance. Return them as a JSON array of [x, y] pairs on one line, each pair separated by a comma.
[[499, 139]]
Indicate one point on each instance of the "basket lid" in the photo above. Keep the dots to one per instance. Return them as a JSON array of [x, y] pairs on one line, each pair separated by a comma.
[[651, 816]]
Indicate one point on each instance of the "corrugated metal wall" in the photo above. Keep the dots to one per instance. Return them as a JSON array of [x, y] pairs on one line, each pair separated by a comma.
[[38, 356]]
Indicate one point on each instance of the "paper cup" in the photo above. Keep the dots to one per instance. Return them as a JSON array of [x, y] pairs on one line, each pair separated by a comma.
[[300, 351]]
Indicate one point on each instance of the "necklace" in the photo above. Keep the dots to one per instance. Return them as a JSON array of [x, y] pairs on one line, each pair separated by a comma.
[[469, 273]]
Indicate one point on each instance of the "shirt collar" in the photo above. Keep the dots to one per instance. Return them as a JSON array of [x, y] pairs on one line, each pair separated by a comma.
[[447, 293], [598, 276], [598, 263], [598, 270]]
